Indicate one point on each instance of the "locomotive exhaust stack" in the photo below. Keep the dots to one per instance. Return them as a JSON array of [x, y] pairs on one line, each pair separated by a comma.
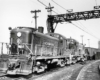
[[40, 29]]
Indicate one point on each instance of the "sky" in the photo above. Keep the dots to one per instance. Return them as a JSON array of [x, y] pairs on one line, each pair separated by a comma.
[[14, 13]]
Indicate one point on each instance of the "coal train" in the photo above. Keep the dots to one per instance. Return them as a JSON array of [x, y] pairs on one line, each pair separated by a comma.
[[30, 50]]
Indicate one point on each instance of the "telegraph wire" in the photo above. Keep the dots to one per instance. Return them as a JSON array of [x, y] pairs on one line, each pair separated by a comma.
[[83, 26], [46, 6], [74, 24], [86, 28], [42, 3], [71, 22], [54, 8], [96, 2], [62, 7], [34, 2], [58, 5], [46, 1], [84, 31]]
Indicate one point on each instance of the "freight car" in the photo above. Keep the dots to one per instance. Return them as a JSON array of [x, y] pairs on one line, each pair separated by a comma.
[[32, 51], [92, 53]]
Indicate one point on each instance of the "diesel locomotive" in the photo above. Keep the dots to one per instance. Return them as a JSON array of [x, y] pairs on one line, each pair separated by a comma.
[[31, 50]]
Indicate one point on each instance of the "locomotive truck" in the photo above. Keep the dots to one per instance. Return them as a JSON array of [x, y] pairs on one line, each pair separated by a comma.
[[31, 50]]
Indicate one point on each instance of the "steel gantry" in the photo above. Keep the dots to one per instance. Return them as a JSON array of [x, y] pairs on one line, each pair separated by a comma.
[[68, 17]]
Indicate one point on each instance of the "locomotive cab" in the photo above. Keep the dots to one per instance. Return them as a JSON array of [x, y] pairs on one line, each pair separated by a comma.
[[20, 40]]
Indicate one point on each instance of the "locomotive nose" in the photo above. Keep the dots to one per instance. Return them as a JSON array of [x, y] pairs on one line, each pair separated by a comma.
[[13, 64]]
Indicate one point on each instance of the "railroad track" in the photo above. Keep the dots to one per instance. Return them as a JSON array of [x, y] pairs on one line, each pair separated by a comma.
[[69, 72]]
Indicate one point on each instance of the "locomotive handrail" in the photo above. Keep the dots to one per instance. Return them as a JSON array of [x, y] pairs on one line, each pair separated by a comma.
[[28, 47], [7, 47]]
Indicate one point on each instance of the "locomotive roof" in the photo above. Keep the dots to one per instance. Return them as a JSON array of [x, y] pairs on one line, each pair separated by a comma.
[[57, 34], [24, 29], [30, 28], [44, 35]]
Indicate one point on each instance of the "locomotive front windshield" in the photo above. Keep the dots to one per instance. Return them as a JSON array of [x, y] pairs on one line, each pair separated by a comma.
[[20, 38]]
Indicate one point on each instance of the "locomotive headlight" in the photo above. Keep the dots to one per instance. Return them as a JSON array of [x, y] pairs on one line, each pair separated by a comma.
[[19, 34]]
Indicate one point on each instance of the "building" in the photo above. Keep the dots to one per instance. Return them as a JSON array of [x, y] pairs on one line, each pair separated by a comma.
[[99, 44]]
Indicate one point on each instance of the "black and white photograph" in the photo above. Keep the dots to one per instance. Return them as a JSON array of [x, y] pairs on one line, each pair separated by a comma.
[[49, 40]]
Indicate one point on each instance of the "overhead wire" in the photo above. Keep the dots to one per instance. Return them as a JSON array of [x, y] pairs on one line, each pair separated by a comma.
[[96, 2], [46, 1], [34, 5], [82, 26], [46, 6], [54, 7], [85, 31], [79, 22], [61, 6], [71, 22], [35, 2], [58, 5]]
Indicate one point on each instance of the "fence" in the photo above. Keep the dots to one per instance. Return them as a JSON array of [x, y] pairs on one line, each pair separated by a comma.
[[4, 48]]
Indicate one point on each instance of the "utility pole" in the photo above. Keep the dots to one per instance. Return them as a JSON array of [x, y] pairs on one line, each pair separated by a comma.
[[49, 9], [35, 11], [89, 42], [90, 49], [82, 38]]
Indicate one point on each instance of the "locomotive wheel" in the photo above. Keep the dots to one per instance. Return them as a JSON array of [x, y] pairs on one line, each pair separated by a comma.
[[40, 68], [74, 61], [99, 68], [61, 63]]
